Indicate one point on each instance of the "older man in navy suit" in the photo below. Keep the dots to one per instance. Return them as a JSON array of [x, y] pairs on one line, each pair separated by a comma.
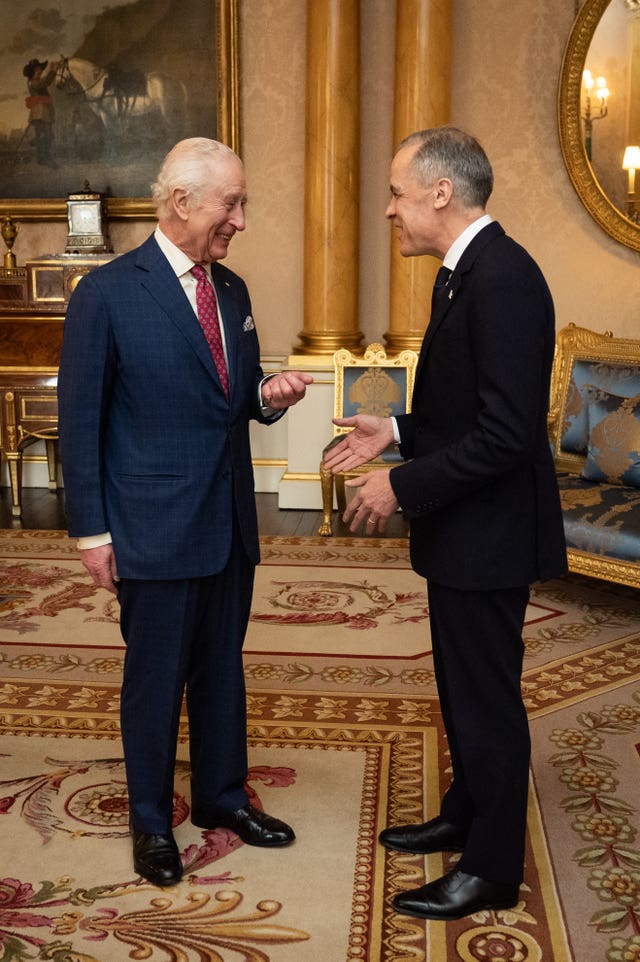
[[480, 491], [159, 378]]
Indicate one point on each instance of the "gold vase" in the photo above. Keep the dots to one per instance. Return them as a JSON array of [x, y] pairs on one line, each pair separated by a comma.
[[9, 233]]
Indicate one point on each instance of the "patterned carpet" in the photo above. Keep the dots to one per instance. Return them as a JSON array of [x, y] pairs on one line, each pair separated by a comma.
[[345, 737]]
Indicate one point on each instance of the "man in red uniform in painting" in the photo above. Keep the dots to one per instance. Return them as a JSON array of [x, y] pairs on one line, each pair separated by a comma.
[[40, 106]]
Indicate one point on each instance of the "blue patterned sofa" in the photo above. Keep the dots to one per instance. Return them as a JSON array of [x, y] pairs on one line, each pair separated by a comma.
[[594, 429]]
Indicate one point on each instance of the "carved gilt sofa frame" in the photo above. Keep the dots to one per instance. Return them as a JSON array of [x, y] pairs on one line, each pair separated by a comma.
[[601, 520]]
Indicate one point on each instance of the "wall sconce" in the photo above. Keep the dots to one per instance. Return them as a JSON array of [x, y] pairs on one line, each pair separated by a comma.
[[602, 96], [631, 162]]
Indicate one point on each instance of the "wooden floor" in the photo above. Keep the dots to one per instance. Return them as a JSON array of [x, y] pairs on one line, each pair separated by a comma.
[[43, 509]]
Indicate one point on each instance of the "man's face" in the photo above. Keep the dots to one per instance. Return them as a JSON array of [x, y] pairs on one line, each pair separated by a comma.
[[211, 224], [411, 209]]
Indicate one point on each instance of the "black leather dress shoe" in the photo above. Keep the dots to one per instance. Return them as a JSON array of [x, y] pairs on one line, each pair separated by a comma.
[[434, 836], [156, 858], [455, 895], [252, 825]]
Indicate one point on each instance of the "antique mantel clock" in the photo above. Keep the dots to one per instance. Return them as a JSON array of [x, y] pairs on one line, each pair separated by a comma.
[[52, 278], [87, 223]]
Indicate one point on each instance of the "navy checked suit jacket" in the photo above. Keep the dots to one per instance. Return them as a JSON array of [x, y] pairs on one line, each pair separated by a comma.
[[151, 449]]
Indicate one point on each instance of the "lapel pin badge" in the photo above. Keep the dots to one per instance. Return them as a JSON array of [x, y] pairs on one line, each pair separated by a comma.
[[248, 324]]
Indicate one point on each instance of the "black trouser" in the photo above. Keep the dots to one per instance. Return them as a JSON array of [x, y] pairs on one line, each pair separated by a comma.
[[478, 651]]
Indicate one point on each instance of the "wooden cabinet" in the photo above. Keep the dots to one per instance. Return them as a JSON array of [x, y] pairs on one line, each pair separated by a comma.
[[30, 338], [30, 343]]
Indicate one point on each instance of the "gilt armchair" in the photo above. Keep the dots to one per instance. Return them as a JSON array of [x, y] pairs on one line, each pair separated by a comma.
[[372, 383]]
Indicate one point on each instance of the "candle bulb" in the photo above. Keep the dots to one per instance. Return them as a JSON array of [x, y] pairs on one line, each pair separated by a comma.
[[630, 163]]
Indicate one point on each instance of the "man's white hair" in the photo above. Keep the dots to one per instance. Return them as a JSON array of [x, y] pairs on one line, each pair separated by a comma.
[[188, 166]]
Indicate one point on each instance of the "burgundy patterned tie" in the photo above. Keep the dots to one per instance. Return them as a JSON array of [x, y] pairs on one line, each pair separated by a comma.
[[208, 317]]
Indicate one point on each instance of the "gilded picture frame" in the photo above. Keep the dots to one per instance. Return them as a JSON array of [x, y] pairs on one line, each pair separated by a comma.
[[215, 95], [570, 129]]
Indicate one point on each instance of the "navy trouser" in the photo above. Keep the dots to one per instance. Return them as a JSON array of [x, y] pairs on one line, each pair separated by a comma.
[[185, 633]]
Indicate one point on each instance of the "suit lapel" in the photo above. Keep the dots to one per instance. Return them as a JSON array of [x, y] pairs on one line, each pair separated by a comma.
[[446, 300], [165, 288], [440, 306]]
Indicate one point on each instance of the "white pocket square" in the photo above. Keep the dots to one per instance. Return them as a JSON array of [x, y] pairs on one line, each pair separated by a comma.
[[248, 324]]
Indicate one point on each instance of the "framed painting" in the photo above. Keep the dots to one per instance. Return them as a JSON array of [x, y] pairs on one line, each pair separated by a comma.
[[133, 78]]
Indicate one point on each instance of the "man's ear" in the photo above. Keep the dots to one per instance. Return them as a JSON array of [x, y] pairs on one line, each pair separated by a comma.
[[180, 202], [443, 192]]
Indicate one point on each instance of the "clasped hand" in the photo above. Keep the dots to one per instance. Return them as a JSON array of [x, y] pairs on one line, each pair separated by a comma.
[[374, 502]]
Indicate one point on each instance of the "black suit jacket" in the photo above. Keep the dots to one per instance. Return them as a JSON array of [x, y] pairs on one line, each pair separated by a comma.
[[480, 487]]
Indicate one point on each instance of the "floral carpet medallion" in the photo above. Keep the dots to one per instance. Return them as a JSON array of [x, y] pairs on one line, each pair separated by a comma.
[[87, 799], [345, 738], [357, 605]]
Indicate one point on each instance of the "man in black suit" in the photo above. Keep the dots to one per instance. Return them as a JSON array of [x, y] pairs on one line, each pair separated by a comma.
[[480, 491]]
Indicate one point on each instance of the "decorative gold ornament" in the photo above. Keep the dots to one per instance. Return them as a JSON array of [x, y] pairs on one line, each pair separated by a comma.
[[9, 232]]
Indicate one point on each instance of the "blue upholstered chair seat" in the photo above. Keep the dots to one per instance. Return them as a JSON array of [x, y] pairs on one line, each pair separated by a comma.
[[602, 519]]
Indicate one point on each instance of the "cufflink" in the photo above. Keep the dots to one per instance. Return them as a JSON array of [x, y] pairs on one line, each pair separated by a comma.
[[248, 324]]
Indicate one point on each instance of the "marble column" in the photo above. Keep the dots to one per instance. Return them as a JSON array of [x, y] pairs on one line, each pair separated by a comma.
[[332, 178], [422, 98]]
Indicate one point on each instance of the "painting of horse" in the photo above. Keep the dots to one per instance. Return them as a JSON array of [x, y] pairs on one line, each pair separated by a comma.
[[122, 88], [128, 104]]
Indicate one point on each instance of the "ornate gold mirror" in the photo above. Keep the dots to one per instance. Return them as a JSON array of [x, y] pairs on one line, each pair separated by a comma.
[[599, 114]]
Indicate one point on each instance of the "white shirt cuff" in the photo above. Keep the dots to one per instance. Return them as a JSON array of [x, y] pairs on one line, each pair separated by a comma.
[[265, 409], [94, 541]]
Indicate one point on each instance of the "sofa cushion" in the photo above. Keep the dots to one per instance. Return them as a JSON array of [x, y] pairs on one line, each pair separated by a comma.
[[613, 446], [601, 519], [620, 379]]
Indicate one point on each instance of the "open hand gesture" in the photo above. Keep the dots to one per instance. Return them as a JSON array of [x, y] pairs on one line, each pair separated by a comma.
[[369, 438]]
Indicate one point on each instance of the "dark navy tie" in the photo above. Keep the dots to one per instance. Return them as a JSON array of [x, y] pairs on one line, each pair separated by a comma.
[[442, 278]]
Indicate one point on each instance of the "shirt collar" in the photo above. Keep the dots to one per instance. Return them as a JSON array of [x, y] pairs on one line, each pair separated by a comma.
[[461, 242], [180, 262]]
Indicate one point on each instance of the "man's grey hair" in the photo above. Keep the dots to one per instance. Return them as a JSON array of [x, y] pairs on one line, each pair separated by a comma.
[[188, 166], [452, 153]]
